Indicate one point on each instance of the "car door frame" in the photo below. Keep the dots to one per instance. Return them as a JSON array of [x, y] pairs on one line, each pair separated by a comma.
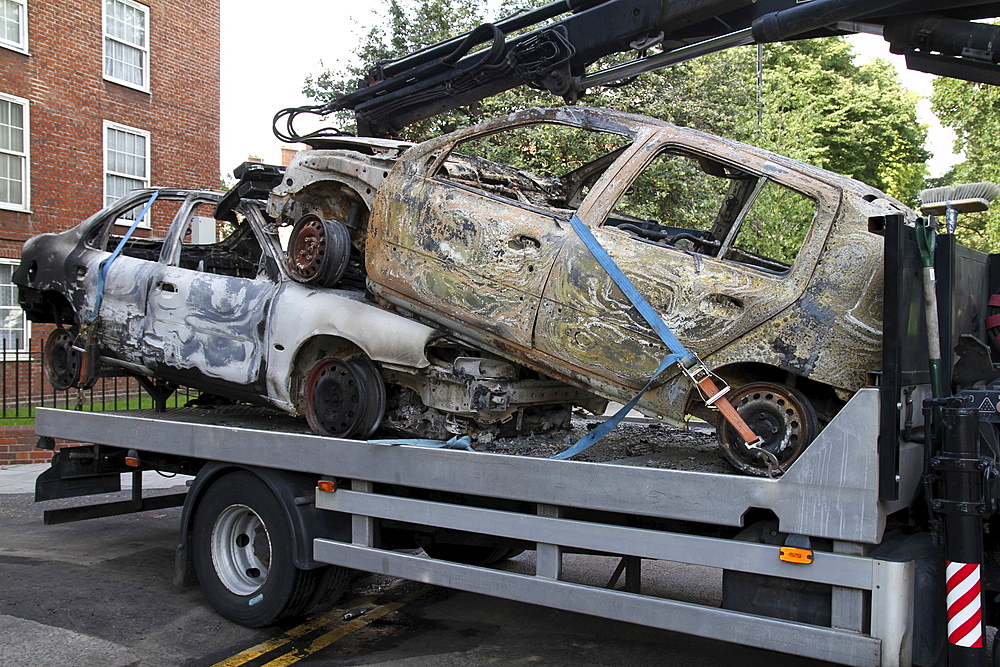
[[185, 340]]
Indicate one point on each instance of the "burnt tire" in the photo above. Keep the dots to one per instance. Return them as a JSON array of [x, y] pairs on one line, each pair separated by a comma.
[[318, 251], [780, 415], [61, 362], [242, 552], [344, 398]]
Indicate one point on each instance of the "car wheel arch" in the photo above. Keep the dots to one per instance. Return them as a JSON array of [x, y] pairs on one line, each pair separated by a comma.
[[49, 306], [330, 199], [313, 350]]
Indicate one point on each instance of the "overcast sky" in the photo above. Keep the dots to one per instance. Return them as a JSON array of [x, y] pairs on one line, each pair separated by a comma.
[[268, 49]]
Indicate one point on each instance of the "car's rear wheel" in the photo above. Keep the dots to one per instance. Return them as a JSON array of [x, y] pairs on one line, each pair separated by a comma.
[[782, 416], [61, 362], [344, 398], [318, 250]]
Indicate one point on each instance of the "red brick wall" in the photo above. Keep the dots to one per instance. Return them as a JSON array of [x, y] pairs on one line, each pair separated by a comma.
[[62, 77], [70, 100], [17, 445]]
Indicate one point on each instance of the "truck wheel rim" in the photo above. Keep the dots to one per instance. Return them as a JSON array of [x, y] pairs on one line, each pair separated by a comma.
[[241, 550]]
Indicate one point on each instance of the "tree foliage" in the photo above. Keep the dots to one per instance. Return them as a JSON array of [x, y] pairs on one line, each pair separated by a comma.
[[973, 111], [815, 104]]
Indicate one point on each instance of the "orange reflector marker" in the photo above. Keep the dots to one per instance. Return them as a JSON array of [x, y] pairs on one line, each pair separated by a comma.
[[796, 555], [132, 461], [326, 485]]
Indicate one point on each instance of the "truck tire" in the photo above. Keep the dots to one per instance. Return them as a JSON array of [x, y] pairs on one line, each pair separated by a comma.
[[242, 552]]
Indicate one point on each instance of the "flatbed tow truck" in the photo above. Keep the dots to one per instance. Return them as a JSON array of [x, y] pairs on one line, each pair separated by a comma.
[[874, 548], [824, 562]]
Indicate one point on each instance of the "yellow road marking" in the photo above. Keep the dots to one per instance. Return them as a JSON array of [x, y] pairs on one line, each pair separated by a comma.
[[299, 631], [342, 631]]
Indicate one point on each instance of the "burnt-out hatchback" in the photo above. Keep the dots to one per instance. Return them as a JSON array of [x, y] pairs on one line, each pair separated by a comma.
[[763, 266]]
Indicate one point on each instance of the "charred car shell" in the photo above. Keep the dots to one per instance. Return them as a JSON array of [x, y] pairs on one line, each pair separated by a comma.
[[483, 247], [220, 313]]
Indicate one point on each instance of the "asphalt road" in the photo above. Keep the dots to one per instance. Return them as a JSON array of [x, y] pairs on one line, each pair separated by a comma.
[[99, 592]]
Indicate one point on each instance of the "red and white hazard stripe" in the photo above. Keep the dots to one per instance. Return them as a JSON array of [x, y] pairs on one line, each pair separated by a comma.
[[965, 618]]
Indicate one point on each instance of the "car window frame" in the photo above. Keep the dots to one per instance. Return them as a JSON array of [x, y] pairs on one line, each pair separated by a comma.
[[173, 244], [656, 144], [432, 162]]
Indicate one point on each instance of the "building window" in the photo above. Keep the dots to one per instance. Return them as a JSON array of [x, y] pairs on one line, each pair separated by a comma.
[[126, 43], [126, 161], [14, 24], [13, 153], [14, 331]]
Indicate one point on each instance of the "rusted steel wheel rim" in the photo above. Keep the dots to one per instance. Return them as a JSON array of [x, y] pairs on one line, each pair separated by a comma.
[[62, 363], [318, 250], [344, 398], [783, 418]]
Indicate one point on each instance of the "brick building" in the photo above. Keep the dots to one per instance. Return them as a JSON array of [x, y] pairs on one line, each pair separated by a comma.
[[98, 97]]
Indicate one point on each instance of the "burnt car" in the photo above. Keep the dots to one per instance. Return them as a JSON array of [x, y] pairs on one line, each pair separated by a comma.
[[762, 265], [211, 304]]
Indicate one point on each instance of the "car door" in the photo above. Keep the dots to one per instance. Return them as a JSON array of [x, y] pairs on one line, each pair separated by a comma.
[[116, 305], [673, 228], [468, 232], [208, 301]]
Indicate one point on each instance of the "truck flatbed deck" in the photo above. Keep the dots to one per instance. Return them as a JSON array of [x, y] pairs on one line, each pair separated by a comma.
[[613, 508]]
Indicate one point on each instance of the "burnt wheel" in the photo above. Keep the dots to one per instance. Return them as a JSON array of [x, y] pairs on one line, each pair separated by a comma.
[[318, 250], [782, 416], [62, 363], [344, 398]]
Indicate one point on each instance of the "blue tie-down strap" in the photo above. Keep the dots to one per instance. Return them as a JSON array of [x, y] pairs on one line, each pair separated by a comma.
[[463, 442], [678, 353], [105, 266]]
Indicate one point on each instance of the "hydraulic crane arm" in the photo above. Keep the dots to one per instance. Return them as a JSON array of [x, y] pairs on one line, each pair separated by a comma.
[[571, 35]]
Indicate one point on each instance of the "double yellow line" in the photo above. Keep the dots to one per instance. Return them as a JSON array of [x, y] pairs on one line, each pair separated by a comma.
[[358, 614]]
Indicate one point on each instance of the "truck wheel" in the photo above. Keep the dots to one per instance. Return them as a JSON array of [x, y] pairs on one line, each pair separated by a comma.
[[242, 552], [782, 416], [61, 362], [344, 398], [318, 250]]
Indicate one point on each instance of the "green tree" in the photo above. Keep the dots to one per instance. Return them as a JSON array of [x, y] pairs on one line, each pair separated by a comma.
[[818, 106], [404, 27], [856, 120], [973, 111]]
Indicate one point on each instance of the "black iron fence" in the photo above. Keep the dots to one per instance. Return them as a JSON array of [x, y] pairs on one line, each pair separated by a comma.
[[24, 387]]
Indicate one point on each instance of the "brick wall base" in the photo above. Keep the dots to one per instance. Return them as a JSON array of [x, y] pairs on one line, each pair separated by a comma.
[[17, 445]]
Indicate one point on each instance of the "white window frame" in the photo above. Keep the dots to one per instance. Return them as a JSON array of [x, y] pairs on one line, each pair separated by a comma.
[[144, 87], [109, 125], [21, 46], [25, 206], [22, 353]]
